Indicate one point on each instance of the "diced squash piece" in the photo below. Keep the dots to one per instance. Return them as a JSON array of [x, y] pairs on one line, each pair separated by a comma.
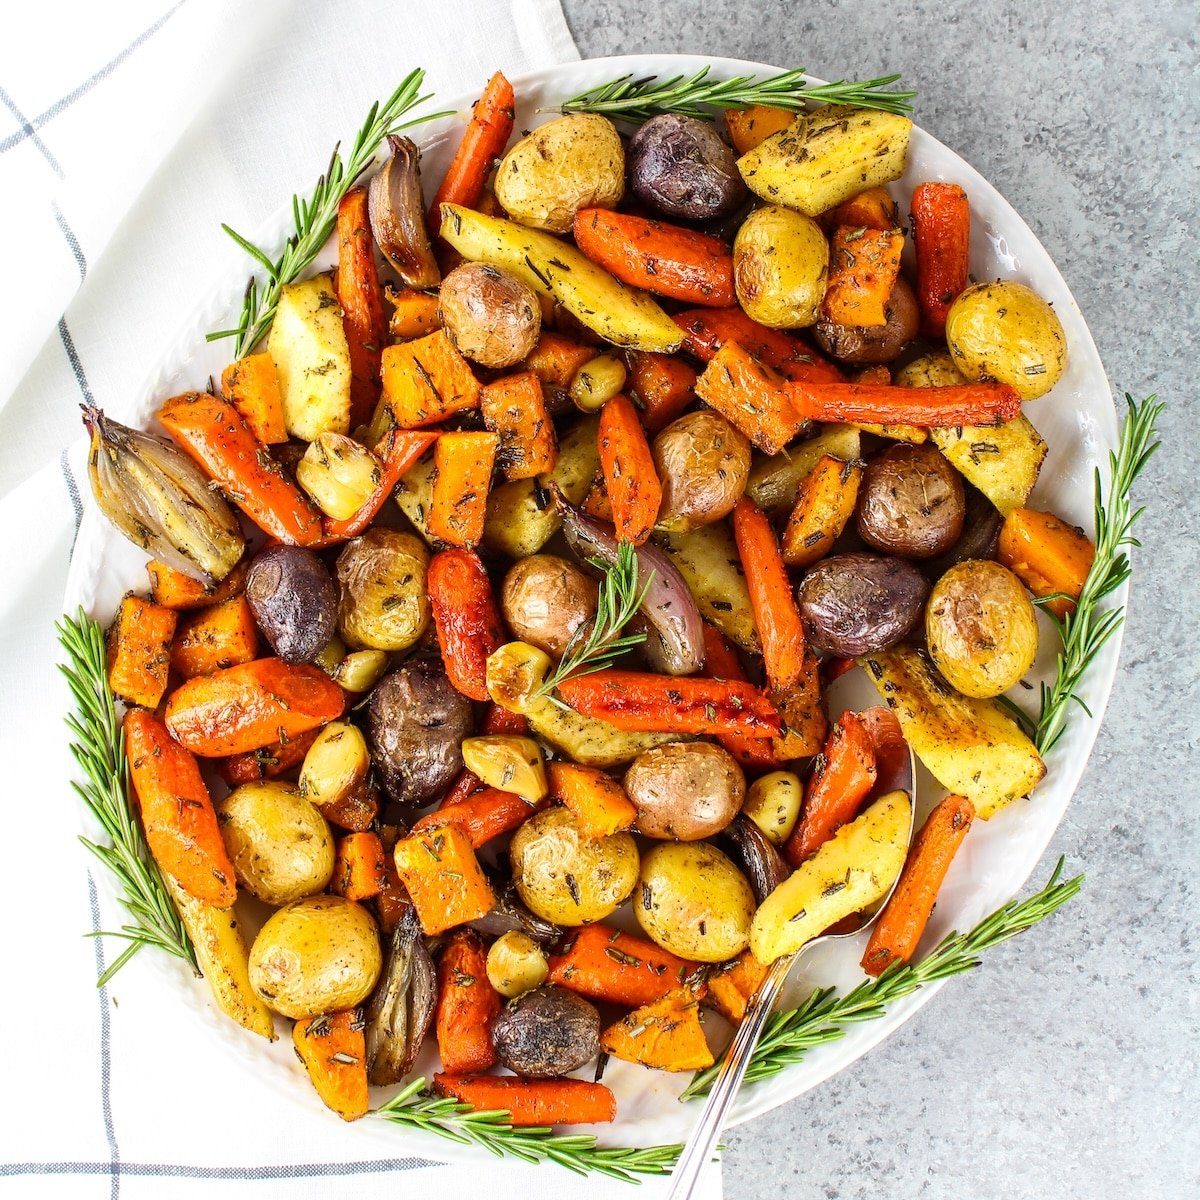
[[443, 877], [870, 209], [864, 265], [556, 358], [333, 1049], [513, 408], [360, 868], [750, 127], [414, 314], [730, 990], [596, 800], [774, 479], [251, 385], [463, 477], [174, 589], [221, 636], [1047, 555], [139, 651], [824, 505], [665, 1035], [424, 382]]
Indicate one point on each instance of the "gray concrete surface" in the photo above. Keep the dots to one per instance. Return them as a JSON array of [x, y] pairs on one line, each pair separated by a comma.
[[1067, 1066]]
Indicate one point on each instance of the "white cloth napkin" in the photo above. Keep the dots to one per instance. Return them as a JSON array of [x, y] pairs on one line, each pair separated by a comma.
[[132, 131]]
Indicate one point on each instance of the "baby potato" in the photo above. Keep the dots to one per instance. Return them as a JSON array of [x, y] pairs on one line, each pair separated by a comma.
[[516, 964], [280, 845], [685, 790], [780, 267], [565, 877], [1006, 331], [694, 902], [316, 956], [981, 628], [545, 600], [493, 318], [703, 463], [773, 804], [573, 162], [384, 601], [935, 369]]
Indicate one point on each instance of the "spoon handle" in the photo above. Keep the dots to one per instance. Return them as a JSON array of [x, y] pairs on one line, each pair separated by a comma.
[[700, 1145]]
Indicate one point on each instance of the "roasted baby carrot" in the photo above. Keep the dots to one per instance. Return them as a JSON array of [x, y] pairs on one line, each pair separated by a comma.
[[360, 867], [1047, 555], [661, 385], [841, 780], [872, 209], [556, 358], [266, 762], [251, 385], [483, 142], [933, 407], [630, 477], [803, 723], [772, 600], [333, 1049], [463, 462], [532, 1101], [603, 963], [414, 314], [941, 223], [639, 702], [825, 502], [424, 382], [359, 294], [398, 451], [707, 330], [751, 397], [482, 815], [466, 1004], [596, 800], [221, 636], [174, 589], [139, 651], [863, 267], [242, 708], [750, 127], [657, 257], [721, 662], [466, 618], [898, 930], [177, 813], [213, 433], [514, 409], [443, 877]]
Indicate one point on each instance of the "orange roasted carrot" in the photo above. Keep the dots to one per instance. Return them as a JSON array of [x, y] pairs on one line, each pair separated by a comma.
[[803, 722], [825, 502], [941, 222], [242, 708], [398, 451], [466, 618], [864, 265], [665, 1035], [596, 800], [251, 385], [772, 600], [603, 963], [709, 329], [730, 989], [661, 385], [443, 877], [214, 434], [424, 382], [138, 651], [177, 813], [333, 1050], [221, 636], [514, 409], [174, 589], [750, 397], [630, 477], [933, 407], [356, 810], [872, 209], [1047, 555], [483, 814], [483, 142], [414, 314], [657, 257], [841, 780], [360, 868], [898, 930], [750, 127], [466, 1004], [463, 462], [721, 662], [556, 358], [266, 762], [362, 303], [639, 702], [532, 1101]]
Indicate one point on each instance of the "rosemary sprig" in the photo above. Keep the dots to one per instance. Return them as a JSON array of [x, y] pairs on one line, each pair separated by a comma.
[[598, 644], [630, 99], [314, 217], [825, 1016], [415, 1108], [1085, 630], [98, 745]]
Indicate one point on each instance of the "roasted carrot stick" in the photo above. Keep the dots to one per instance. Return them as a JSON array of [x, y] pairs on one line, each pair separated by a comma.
[[177, 813], [483, 142], [662, 386], [596, 800], [212, 431], [360, 868], [933, 407], [721, 662], [603, 963], [941, 221], [825, 503], [359, 294], [639, 702], [840, 782], [266, 762], [414, 314], [532, 1101], [803, 723], [482, 815], [466, 618], [904, 917], [708, 330], [667, 260], [458, 506], [1047, 555], [334, 1052], [630, 477], [398, 451], [466, 1004], [776, 616], [242, 708]]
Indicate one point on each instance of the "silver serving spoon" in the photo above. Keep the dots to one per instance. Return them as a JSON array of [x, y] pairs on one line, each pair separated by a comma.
[[895, 772]]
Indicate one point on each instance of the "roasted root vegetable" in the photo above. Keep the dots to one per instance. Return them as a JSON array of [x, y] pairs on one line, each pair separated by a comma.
[[662, 386], [546, 1032], [266, 762], [492, 317], [703, 463], [173, 589], [556, 358], [750, 127], [397, 453], [443, 877], [458, 503], [251, 385], [483, 815], [359, 294], [780, 267], [630, 476], [465, 617], [941, 222], [721, 662], [242, 708], [414, 314], [681, 169], [750, 397], [293, 599], [1002, 461], [360, 867], [731, 988], [334, 1053], [139, 651], [665, 1035], [384, 601], [466, 1005], [898, 930], [685, 791], [824, 505], [596, 800], [939, 408], [424, 382], [617, 968], [222, 636], [177, 813], [483, 142], [338, 474], [532, 1101], [872, 208], [513, 409], [1050, 557], [516, 964], [546, 599], [865, 264]]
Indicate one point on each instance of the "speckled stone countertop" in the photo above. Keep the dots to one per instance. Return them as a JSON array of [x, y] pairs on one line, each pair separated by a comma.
[[1067, 1066]]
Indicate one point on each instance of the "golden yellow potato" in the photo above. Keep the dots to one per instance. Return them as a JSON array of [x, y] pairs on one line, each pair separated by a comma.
[[935, 369], [703, 464], [565, 877], [384, 601], [280, 845], [1006, 331], [573, 162], [981, 628], [516, 964], [315, 956], [694, 902], [773, 804], [780, 267]]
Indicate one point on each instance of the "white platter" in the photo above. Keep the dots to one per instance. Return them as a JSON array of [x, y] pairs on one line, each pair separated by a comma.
[[1077, 420]]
